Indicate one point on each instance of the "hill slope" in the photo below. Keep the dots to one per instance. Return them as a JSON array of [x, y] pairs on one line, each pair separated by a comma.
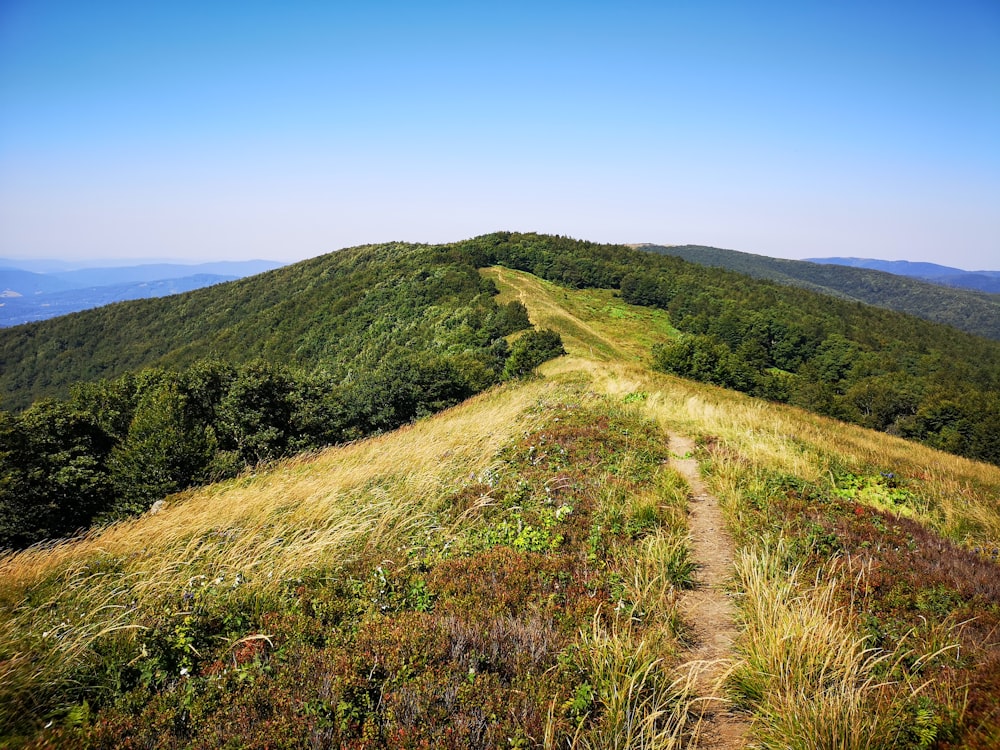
[[299, 313], [357, 309], [390, 335], [514, 572], [972, 311], [311, 312], [983, 281]]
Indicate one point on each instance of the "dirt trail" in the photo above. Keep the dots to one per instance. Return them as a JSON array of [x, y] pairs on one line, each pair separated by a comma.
[[707, 609]]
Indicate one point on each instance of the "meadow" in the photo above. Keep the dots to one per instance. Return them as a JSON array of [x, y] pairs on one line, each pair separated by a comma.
[[511, 573]]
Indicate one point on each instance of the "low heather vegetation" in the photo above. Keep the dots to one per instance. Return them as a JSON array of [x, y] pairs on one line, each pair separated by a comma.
[[498, 600], [880, 633]]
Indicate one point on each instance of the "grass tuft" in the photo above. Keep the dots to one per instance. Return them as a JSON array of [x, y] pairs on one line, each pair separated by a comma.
[[810, 677]]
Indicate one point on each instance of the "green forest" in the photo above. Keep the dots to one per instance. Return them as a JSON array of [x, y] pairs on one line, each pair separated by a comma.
[[406, 334], [114, 408], [871, 366], [968, 310]]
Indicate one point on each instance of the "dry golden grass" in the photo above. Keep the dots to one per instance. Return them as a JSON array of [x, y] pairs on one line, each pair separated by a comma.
[[644, 705], [253, 533], [299, 512], [320, 511], [808, 673], [961, 498]]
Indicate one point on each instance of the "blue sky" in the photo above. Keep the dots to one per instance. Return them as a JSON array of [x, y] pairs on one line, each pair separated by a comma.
[[196, 130]]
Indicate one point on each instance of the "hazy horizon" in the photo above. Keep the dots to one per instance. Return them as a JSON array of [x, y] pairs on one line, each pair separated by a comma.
[[238, 131], [82, 263]]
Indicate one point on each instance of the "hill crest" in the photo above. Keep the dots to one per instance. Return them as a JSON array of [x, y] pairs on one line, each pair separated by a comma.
[[528, 548], [933, 298]]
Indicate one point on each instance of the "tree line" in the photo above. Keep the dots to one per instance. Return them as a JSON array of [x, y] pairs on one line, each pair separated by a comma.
[[115, 446], [875, 367], [147, 398], [968, 310]]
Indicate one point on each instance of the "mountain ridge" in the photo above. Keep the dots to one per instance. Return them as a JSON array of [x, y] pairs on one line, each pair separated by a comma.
[[32, 296], [17, 309], [340, 313], [969, 310], [982, 280], [521, 565]]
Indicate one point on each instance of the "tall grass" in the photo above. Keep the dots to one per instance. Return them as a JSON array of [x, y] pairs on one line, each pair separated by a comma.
[[247, 538], [956, 496], [803, 667], [643, 700], [609, 339], [807, 673], [643, 704]]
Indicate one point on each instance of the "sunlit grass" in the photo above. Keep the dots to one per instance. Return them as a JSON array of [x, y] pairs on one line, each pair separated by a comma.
[[809, 675], [803, 666], [594, 323], [644, 704], [806, 671], [959, 496], [644, 701], [251, 534]]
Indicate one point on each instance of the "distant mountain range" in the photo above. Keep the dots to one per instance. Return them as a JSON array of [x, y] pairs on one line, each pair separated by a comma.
[[969, 310], [38, 290], [982, 281]]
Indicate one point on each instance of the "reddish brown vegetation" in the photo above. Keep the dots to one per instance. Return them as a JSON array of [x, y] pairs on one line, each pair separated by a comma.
[[463, 644], [920, 586]]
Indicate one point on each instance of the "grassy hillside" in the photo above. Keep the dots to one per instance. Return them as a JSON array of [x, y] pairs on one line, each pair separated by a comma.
[[325, 352], [345, 309], [965, 309], [367, 339], [517, 572], [859, 363]]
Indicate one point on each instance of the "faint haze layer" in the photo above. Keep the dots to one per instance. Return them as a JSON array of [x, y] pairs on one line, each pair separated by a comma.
[[244, 130]]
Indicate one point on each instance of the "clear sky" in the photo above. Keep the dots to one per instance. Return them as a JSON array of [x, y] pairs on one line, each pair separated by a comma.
[[282, 130]]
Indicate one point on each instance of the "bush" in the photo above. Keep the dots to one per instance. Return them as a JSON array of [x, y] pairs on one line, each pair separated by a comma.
[[529, 351]]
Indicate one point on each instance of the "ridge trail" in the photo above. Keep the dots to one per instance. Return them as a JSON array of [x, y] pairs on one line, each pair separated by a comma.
[[707, 608]]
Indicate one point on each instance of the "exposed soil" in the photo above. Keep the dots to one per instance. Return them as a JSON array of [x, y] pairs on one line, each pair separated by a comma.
[[707, 609]]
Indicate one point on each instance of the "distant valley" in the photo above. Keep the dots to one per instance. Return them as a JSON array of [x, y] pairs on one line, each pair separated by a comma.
[[38, 290]]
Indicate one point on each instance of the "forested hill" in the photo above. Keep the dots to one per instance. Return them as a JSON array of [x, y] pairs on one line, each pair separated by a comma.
[[171, 393], [968, 310], [863, 364], [343, 312], [982, 281], [346, 310], [516, 569]]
